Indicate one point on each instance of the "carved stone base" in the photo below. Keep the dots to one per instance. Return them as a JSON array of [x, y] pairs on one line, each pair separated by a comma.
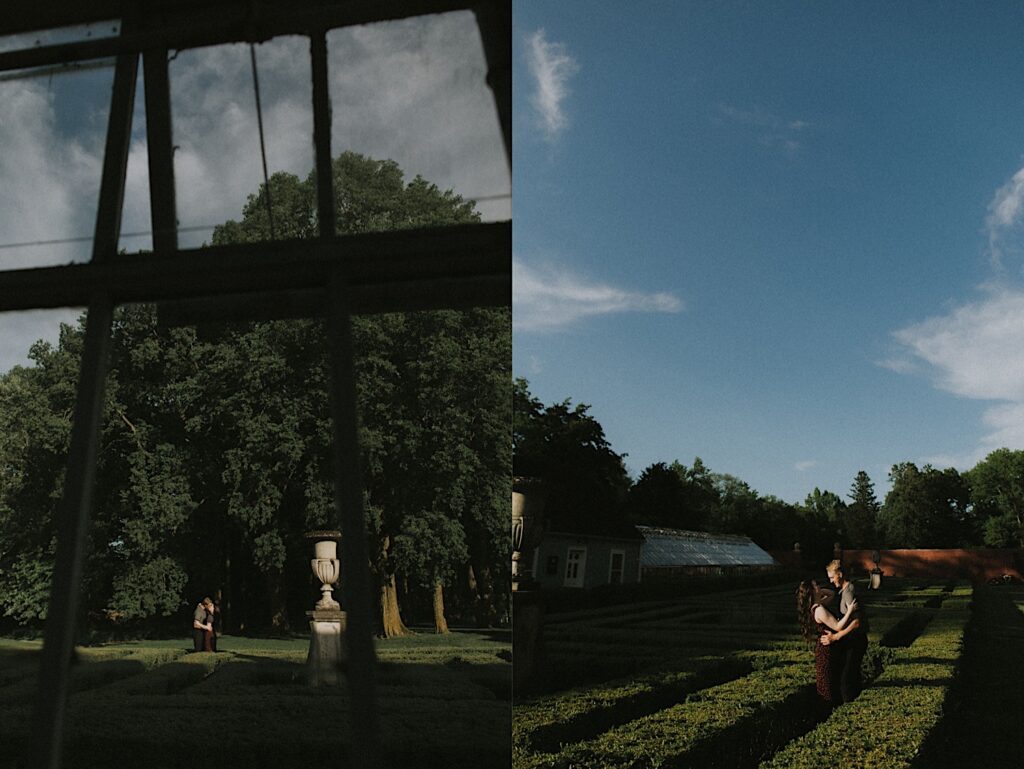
[[325, 663]]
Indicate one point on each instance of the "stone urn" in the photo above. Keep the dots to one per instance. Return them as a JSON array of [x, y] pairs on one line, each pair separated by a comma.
[[326, 658], [527, 522], [326, 566]]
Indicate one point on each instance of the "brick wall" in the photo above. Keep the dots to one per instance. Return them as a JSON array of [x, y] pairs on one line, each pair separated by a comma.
[[975, 565]]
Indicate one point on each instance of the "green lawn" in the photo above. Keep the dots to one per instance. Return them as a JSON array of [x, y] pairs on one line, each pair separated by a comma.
[[442, 700]]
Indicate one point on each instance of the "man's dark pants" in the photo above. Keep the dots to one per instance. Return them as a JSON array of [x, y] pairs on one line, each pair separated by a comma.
[[197, 639], [851, 652]]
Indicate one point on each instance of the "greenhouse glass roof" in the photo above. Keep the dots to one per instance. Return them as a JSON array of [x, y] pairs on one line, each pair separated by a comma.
[[673, 547]]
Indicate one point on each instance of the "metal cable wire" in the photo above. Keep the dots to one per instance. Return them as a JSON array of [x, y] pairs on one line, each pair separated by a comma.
[[263, 145]]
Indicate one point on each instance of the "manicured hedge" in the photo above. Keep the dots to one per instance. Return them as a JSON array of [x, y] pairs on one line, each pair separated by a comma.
[[720, 726], [545, 724]]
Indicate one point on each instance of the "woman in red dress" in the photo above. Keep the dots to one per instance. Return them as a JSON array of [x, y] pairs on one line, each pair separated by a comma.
[[817, 621]]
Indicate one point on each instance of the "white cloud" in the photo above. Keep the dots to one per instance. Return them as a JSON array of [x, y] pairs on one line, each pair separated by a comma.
[[804, 465], [1004, 213], [898, 365], [975, 352], [548, 299], [551, 67]]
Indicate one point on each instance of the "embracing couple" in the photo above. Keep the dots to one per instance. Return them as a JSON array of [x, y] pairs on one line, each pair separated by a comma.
[[204, 638], [838, 627]]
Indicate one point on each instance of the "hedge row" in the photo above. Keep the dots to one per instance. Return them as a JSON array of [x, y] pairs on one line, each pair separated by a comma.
[[93, 669], [545, 724], [720, 726], [257, 715], [886, 726]]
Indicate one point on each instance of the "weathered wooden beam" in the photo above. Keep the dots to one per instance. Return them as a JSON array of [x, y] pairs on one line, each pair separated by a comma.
[[494, 19], [389, 297], [325, 206], [464, 254], [364, 751], [181, 25], [62, 614], [44, 750], [160, 147], [115, 158]]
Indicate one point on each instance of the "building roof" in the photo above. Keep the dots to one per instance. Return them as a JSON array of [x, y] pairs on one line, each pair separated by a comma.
[[674, 547]]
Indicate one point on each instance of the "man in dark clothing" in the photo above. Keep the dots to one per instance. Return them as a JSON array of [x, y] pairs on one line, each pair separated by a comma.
[[852, 642]]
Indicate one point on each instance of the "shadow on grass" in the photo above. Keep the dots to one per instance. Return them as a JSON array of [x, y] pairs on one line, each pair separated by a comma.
[[982, 725]]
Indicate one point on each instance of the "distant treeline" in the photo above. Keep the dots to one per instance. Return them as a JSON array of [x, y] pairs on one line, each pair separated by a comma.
[[588, 489]]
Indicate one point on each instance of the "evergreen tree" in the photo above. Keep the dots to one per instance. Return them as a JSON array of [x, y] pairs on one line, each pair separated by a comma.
[[859, 518]]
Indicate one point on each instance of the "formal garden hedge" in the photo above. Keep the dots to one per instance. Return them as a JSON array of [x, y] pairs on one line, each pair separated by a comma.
[[442, 700], [705, 689]]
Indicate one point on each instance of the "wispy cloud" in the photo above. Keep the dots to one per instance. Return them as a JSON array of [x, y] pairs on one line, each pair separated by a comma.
[[551, 67], [805, 465], [772, 130], [546, 299], [898, 365], [1004, 214]]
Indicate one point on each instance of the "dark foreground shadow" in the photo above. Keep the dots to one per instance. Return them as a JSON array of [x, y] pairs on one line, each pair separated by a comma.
[[982, 725]]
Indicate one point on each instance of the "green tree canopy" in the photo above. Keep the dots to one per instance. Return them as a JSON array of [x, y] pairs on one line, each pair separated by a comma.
[[926, 507], [997, 491], [216, 440], [860, 516], [585, 481]]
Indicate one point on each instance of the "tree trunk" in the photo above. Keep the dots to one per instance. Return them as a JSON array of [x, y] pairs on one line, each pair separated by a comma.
[[440, 623], [391, 619]]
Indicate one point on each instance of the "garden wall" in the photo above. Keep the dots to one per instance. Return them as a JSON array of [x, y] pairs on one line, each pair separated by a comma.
[[975, 565]]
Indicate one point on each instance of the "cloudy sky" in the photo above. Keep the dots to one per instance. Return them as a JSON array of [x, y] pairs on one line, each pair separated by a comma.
[[413, 91], [787, 238]]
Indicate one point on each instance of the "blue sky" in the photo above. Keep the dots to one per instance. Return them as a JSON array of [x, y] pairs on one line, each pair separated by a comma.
[[783, 237]]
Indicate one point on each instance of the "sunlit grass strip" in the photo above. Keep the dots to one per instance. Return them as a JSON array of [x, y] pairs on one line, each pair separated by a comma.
[[886, 726], [545, 724]]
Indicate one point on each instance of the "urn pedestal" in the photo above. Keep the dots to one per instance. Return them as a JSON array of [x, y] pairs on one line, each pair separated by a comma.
[[527, 598], [325, 662]]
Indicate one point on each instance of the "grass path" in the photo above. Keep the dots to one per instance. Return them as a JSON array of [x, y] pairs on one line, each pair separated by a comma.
[[986, 729]]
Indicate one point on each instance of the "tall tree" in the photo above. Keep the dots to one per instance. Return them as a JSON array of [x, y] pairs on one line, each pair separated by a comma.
[[925, 507], [859, 518], [659, 498], [585, 480], [997, 491]]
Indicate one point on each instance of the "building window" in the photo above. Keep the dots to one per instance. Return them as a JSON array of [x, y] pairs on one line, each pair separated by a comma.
[[616, 567], [575, 563], [552, 569]]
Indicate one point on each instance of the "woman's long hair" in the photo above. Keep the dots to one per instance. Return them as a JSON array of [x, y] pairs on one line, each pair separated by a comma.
[[806, 595]]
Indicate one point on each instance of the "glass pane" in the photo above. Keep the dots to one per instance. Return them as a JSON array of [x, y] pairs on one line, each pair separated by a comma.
[[415, 92], [52, 134], [218, 159]]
